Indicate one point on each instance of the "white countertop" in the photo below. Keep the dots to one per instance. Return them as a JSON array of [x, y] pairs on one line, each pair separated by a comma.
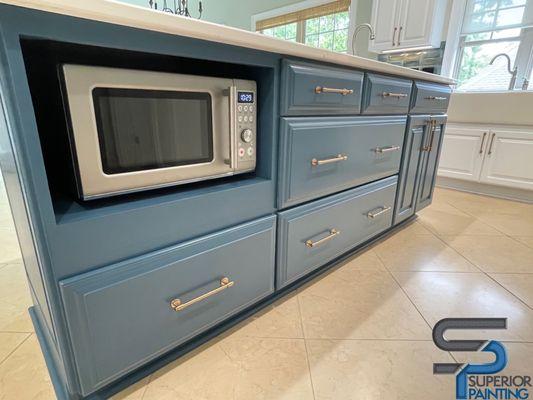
[[141, 17]]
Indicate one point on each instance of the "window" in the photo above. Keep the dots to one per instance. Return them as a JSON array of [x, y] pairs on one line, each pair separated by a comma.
[[324, 26], [491, 27]]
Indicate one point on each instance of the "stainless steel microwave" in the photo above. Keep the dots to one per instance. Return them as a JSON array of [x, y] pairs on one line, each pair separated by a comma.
[[132, 130]]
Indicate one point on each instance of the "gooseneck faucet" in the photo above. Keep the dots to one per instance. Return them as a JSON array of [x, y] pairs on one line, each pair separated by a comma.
[[358, 28], [513, 72]]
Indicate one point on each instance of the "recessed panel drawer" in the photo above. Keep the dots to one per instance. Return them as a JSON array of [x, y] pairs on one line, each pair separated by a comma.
[[385, 95], [429, 98], [321, 156], [124, 315], [311, 235], [308, 89]]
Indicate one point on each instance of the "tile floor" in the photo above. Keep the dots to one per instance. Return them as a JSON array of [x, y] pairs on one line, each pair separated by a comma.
[[362, 331]]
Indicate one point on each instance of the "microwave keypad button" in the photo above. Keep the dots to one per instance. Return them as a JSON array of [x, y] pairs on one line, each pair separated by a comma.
[[246, 108], [245, 118], [251, 119], [251, 108], [240, 118], [247, 135], [239, 108], [250, 151], [241, 152]]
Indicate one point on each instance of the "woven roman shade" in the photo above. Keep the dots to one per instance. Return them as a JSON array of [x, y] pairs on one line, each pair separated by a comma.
[[313, 12]]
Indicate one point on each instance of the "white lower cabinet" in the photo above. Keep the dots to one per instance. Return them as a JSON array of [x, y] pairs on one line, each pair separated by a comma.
[[509, 159], [488, 154]]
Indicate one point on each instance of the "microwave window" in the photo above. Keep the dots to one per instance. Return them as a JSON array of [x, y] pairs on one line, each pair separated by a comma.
[[149, 129]]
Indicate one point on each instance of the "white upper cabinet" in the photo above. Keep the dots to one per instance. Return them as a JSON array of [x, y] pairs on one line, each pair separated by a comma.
[[402, 24], [509, 159], [462, 152]]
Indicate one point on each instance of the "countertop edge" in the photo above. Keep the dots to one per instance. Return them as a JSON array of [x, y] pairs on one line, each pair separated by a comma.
[[115, 12]]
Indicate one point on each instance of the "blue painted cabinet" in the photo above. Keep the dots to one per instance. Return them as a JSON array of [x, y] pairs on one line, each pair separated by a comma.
[[429, 98], [321, 156], [423, 140], [311, 235], [124, 315], [386, 95]]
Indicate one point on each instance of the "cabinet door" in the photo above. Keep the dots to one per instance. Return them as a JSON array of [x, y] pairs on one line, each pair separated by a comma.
[[416, 23], [462, 152], [385, 20], [508, 159], [410, 168], [430, 162]]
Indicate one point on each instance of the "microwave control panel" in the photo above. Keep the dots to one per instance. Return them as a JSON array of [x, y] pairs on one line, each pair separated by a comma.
[[246, 126]]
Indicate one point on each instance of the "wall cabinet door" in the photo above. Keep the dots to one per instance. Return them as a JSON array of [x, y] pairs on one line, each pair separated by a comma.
[[430, 161], [385, 20], [411, 167], [462, 152], [416, 23], [508, 159]]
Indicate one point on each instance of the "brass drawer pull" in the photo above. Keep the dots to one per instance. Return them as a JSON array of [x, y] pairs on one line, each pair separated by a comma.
[[396, 95], [332, 234], [482, 143], [177, 305], [322, 89], [339, 158], [437, 98], [382, 210], [386, 149], [491, 143]]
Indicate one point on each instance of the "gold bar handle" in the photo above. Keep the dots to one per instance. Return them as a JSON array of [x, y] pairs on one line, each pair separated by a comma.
[[396, 95], [332, 234], [339, 158], [437, 98], [386, 149], [491, 143], [177, 305], [382, 210], [322, 89]]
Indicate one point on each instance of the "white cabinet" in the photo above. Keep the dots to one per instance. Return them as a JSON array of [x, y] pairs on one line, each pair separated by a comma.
[[462, 152], [493, 155], [401, 24], [509, 159]]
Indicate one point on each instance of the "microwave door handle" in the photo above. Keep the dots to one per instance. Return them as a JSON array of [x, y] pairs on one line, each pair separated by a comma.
[[232, 125]]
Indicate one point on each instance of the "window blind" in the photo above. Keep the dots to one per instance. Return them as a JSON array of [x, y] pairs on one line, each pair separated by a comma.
[[302, 15]]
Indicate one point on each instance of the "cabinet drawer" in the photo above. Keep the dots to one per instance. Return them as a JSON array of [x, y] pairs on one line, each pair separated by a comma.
[[313, 234], [321, 156], [384, 95], [309, 89], [429, 98], [120, 317]]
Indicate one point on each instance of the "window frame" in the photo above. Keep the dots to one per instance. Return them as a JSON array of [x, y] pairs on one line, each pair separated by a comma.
[[455, 44], [301, 24]]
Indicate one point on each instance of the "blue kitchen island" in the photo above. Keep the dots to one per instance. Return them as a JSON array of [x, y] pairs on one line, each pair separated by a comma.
[[346, 149]]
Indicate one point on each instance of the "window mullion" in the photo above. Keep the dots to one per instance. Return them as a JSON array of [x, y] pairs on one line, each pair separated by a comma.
[[524, 57], [300, 31]]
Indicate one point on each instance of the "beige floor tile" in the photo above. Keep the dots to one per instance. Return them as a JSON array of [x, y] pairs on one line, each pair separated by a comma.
[[237, 368], [23, 374], [405, 252], [9, 342], [441, 295], [9, 246], [444, 219], [134, 392], [371, 370], [365, 261], [280, 320], [494, 254], [527, 240], [512, 225], [359, 305], [521, 285], [14, 300], [14, 318], [416, 228]]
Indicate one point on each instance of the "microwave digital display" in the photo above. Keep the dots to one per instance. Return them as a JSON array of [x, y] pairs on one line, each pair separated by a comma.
[[245, 97]]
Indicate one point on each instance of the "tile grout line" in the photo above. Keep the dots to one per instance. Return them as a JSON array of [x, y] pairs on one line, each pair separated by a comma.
[[15, 349], [305, 345], [477, 266], [146, 386]]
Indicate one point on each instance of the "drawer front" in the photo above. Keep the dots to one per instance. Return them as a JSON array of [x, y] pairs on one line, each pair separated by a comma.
[[120, 317], [321, 156], [316, 90], [430, 98], [313, 234], [384, 95]]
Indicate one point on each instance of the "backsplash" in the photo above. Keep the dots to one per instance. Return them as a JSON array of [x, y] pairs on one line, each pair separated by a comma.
[[429, 60]]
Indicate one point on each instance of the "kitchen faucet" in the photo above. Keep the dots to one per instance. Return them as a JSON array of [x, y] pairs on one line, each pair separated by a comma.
[[513, 72], [358, 28]]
